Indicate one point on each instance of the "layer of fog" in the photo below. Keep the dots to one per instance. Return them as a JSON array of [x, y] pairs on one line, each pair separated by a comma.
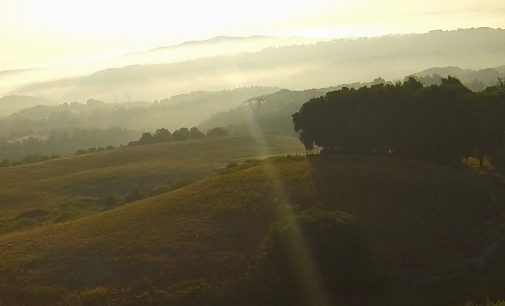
[[59, 78]]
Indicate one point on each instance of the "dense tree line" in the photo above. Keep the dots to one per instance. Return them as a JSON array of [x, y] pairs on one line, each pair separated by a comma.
[[32, 149], [273, 114], [172, 113], [444, 123], [164, 135]]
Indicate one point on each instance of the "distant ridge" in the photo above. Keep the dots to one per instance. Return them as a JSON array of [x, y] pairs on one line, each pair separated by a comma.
[[217, 39], [475, 79], [278, 62], [14, 71]]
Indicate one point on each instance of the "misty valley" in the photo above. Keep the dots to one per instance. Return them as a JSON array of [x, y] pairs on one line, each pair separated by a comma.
[[254, 169]]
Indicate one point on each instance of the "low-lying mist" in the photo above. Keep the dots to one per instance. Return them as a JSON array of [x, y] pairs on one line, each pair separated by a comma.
[[223, 63]]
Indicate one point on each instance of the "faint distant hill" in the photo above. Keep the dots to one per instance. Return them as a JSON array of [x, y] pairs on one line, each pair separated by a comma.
[[62, 83], [297, 67], [172, 113], [10, 78], [219, 45], [12, 104], [13, 71], [217, 39], [273, 116], [473, 79]]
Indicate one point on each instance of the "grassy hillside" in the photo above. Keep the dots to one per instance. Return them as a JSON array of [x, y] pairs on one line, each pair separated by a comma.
[[152, 169], [402, 233]]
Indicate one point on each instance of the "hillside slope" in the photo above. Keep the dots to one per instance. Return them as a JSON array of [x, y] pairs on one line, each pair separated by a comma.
[[274, 114], [150, 169], [12, 104], [476, 80], [434, 236]]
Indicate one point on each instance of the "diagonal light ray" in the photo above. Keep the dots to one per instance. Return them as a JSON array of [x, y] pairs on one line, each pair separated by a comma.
[[304, 267]]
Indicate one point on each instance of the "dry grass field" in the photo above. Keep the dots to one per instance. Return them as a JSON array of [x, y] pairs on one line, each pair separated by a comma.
[[199, 245]]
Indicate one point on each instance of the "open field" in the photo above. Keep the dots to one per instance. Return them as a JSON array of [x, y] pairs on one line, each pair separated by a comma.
[[434, 236], [151, 169]]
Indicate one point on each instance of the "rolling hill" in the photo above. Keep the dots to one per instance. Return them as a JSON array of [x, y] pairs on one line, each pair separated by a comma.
[[90, 179], [274, 113], [172, 113], [474, 79], [413, 233], [295, 67], [12, 104]]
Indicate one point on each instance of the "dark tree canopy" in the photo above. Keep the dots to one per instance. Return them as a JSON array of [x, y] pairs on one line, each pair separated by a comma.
[[195, 133], [162, 135], [217, 132], [146, 138], [443, 123], [181, 134]]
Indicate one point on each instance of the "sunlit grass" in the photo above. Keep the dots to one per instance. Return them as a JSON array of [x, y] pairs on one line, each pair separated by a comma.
[[306, 270], [152, 169], [422, 221]]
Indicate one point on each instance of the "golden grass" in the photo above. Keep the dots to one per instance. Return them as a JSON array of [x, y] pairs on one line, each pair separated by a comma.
[[48, 184], [423, 221]]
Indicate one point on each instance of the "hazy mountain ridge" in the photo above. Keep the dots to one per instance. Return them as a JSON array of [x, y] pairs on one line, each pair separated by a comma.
[[205, 109], [180, 110], [217, 39], [473, 79], [14, 71], [66, 75], [275, 113], [299, 67], [65, 128], [12, 104]]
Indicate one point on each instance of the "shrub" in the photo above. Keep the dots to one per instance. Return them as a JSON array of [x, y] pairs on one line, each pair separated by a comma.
[[35, 213], [326, 245], [217, 132], [195, 133], [133, 195]]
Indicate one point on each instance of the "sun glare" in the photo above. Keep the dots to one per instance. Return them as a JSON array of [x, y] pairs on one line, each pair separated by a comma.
[[155, 16]]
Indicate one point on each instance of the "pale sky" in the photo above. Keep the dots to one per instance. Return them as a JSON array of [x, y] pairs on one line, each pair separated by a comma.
[[35, 33]]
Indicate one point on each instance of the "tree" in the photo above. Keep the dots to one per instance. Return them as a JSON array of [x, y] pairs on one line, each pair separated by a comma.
[[146, 138], [181, 134], [195, 133], [441, 123], [217, 132], [162, 135]]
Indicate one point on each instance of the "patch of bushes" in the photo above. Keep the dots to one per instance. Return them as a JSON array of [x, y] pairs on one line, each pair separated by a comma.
[[318, 252], [93, 150], [32, 214], [133, 195], [182, 134], [66, 211]]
